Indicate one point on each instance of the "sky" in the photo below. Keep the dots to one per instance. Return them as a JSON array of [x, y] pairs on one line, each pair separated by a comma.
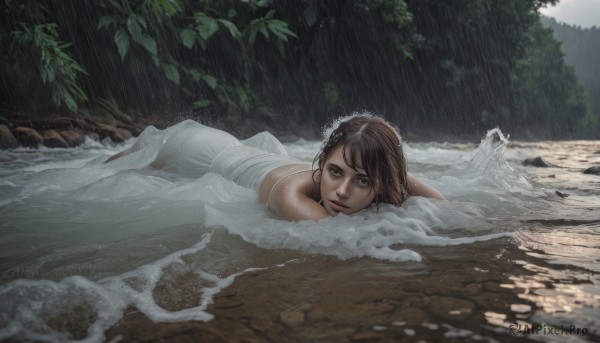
[[584, 13]]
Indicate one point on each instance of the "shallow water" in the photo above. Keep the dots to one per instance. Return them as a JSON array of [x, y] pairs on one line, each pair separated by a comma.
[[93, 253]]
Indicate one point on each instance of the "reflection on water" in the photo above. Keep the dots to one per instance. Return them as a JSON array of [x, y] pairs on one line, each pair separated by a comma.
[[563, 283], [90, 251]]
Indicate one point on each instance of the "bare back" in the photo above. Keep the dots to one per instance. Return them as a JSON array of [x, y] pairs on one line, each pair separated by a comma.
[[292, 194]]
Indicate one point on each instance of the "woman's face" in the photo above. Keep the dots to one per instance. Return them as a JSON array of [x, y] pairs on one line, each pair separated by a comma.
[[344, 189]]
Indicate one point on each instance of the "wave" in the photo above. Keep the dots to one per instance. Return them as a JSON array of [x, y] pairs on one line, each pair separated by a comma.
[[87, 202]]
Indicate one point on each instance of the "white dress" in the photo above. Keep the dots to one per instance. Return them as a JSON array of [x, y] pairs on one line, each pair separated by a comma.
[[192, 149]]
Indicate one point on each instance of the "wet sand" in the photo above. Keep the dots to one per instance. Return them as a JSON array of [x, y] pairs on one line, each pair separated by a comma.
[[460, 293]]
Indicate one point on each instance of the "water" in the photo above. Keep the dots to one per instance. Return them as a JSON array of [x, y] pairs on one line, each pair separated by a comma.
[[92, 253]]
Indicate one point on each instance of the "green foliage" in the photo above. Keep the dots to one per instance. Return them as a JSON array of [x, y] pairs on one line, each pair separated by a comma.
[[548, 90], [57, 68], [204, 28], [133, 27], [171, 72], [233, 91], [450, 65], [266, 24], [129, 20], [159, 10], [122, 41], [582, 48]]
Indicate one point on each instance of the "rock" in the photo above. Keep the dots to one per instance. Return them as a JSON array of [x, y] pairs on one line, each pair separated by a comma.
[[120, 135], [537, 162], [73, 138], [53, 139], [28, 137], [117, 135], [7, 139], [595, 170], [562, 195]]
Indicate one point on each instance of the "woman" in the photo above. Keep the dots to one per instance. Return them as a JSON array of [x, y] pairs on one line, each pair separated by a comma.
[[361, 163]]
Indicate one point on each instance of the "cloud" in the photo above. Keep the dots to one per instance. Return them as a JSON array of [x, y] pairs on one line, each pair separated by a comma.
[[585, 13]]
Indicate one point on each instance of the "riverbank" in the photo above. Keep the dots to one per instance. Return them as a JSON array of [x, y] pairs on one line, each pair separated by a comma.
[[64, 129]]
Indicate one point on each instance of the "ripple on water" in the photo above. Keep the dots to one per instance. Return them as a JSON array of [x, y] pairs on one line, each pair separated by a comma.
[[97, 243]]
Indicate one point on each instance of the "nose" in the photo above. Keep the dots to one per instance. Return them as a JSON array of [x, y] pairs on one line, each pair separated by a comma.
[[343, 189]]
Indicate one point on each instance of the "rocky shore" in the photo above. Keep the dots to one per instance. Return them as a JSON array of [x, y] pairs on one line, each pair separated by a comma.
[[62, 132], [34, 130]]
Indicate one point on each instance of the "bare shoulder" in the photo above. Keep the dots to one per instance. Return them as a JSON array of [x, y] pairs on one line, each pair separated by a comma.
[[420, 188], [292, 195]]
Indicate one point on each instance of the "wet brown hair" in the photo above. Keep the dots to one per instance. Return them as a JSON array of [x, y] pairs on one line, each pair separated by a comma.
[[381, 155]]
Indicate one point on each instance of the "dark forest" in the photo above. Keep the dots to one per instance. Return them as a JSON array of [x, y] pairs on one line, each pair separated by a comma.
[[442, 67]]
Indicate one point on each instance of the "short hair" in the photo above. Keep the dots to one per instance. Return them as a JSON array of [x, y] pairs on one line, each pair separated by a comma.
[[381, 154]]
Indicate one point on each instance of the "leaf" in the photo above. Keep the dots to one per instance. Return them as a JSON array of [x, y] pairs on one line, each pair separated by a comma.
[[71, 103], [233, 30], [50, 74], [134, 28], [105, 21], [263, 3], [194, 74], [202, 43], [56, 95], [139, 19], [202, 103], [122, 41], [170, 6], [252, 36], [45, 71], [149, 43], [171, 72], [279, 34], [210, 81], [75, 90], [270, 14], [116, 5], [64, 45], [263, 29], [208, 28], [281, 26], [188, 37]]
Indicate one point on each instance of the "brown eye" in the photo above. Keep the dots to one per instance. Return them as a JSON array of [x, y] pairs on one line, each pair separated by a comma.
[[335, 171], [363, 182]]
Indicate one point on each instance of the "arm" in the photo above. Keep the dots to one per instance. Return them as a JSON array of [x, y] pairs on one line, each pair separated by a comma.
[[421, 189], [121, 154]]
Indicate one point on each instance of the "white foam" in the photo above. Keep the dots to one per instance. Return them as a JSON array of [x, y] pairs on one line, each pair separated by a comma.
[[30, 306], [367, 233], [84, 202]]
